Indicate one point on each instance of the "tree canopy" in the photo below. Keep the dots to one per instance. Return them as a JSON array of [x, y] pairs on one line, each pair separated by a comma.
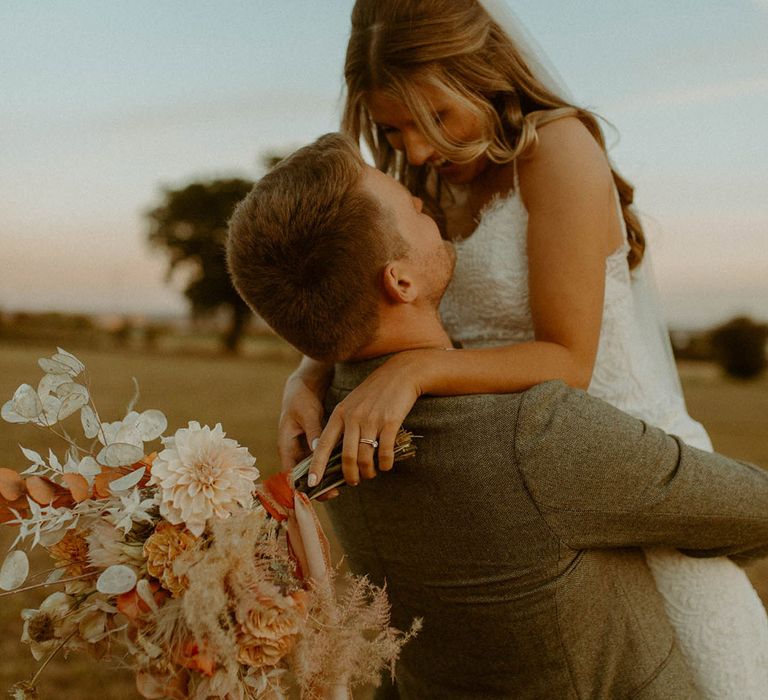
[[191, 225]]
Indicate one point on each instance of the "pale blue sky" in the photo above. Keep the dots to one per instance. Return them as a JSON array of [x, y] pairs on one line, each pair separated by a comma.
[[104, 102]]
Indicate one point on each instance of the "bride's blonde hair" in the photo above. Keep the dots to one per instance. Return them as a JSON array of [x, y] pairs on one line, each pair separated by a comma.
[[399, 46]]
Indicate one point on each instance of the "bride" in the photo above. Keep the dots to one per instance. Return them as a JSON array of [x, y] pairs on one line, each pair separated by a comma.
[[551, 282]]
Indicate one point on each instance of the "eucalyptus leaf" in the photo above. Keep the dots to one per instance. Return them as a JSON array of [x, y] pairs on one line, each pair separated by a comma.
[[26, 402], [88, 467], [151, 424], [119, 454], [52, 537], [116, 580], [54, 367], [90, 422], [70, 360], [70, 465], [10, 416], [50, 413], [128, 481], [108, 433], [71, 404], [55, 575], [67, 388], [51, 382], [129, 433], [14, 570]]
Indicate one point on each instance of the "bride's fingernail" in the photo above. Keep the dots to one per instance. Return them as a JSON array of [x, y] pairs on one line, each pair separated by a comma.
[[314, 444], [312, 480]]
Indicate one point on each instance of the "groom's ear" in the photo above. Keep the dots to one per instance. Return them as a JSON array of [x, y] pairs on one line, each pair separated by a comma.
[[398, 284]]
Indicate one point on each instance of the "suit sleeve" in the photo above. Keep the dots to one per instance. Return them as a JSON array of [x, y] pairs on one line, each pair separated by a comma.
[[601, 478]]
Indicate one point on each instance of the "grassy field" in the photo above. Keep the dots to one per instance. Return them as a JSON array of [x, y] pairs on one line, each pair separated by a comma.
[[244, 394]]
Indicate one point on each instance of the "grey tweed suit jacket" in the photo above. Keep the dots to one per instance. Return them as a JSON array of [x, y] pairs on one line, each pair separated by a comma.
[[515, 533]]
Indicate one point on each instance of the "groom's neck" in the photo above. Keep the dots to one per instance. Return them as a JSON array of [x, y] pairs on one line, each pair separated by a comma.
[[397, 333]]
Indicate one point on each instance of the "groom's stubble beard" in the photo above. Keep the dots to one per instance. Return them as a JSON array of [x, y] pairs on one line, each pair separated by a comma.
[[444, 264]]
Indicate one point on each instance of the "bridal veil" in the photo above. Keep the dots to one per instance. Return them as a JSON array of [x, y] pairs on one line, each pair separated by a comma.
[[649, 312]]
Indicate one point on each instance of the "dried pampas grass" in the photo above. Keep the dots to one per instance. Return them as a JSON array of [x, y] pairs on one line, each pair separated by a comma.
[[341, 632]]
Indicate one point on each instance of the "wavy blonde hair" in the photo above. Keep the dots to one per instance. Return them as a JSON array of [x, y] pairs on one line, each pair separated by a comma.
[[399, 46]]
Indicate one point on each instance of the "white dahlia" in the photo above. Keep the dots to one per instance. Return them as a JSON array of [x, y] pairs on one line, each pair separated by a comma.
[[202, 474]]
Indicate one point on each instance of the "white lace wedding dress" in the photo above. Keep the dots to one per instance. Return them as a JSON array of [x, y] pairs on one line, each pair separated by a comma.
[[719, 619]]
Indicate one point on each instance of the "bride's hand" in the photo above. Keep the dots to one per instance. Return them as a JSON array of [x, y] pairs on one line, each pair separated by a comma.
[[374, 410], [301, 413]]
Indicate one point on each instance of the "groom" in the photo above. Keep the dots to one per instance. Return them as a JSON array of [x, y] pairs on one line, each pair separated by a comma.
[[516, 531]]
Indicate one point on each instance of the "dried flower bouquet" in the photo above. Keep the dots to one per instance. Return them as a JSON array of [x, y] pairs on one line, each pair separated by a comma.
[[205, 582]]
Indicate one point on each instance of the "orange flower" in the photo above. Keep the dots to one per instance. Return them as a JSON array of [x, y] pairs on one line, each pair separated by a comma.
[[196, 657], [269, 627], [134, 608], [161, 550], [72, 549]]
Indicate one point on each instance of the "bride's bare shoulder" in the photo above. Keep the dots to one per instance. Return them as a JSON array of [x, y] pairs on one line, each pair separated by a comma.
[[566, 158]]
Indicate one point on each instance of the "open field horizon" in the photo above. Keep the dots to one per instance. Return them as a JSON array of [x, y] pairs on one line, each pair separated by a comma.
[[685, 309], [244, 395]]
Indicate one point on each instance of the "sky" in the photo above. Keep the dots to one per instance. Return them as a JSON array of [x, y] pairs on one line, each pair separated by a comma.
[[103, 104]]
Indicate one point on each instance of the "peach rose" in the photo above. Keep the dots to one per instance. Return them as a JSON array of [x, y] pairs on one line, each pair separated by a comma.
[[269, 626], [259, 652]]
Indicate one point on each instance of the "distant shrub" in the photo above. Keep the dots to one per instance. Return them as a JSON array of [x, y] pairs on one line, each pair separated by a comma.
[[692, 345], [739, 347], [49, 328]]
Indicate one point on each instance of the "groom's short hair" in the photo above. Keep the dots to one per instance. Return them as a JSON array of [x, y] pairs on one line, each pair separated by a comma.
[[306, 247]]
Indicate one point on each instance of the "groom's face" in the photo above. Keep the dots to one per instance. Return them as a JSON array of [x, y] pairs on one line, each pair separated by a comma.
[[433, 258]]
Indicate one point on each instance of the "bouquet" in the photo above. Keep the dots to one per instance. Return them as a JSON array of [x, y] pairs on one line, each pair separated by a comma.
[[205, 582]]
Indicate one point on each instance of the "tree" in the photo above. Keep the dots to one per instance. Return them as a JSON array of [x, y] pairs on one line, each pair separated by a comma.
[[739, 347], [191, 224]]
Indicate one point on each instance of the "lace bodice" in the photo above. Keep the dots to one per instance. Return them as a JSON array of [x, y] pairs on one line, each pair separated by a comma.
[[487, 304]]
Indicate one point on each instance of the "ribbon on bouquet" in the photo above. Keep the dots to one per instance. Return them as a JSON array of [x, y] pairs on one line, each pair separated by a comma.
[[307, 541], [306, 538]]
